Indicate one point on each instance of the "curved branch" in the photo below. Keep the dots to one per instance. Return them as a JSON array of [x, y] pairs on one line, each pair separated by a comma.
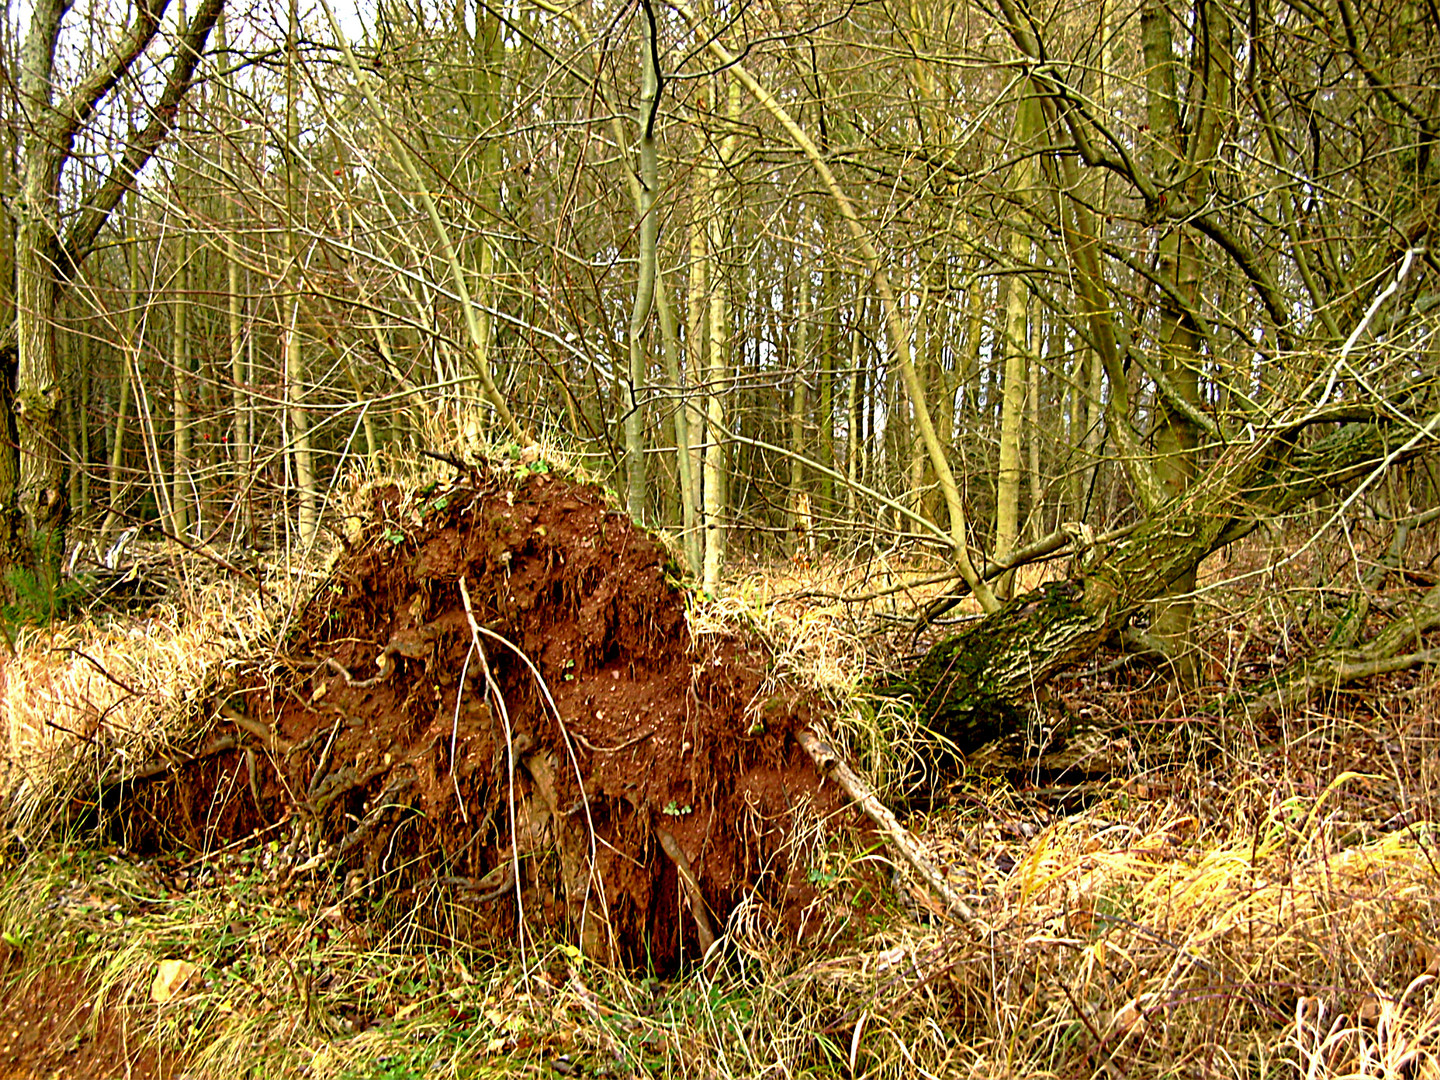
[[80, 239]]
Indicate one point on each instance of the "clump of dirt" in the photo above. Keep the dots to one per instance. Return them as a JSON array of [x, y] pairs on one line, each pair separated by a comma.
[[494, 702]]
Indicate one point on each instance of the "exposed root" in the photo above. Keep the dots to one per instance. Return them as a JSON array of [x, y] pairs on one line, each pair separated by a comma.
[[693, 896], [539, 706]]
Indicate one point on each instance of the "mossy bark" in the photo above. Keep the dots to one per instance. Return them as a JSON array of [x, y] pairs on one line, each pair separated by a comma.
[[972, 687], [983, 681]]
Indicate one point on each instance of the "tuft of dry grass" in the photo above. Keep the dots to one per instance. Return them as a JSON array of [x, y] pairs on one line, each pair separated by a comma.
[[83, 701]]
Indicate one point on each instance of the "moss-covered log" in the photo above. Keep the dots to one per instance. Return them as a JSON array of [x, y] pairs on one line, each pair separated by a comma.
[[970, 686], [982, 681]]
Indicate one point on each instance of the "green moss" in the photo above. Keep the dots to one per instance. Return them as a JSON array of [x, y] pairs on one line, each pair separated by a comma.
[[971, 688]]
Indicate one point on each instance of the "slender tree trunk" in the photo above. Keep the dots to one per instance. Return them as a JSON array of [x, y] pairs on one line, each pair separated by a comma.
[[1016, 337], [647, 257], [853, 404], [685, 483], [116, 486], [716, 376], [1036, 514], [488, 71], [696, 334], [799, 499], [240, 401], [829, 316], [78, 353], [717, 370], [182, 389], [298, 415]]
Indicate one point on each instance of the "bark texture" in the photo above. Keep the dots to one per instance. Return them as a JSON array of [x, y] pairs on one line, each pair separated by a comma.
[[984, 681]]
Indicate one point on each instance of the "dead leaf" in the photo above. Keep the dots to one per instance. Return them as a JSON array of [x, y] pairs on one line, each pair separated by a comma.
[[1130, 1019], [170, 979]]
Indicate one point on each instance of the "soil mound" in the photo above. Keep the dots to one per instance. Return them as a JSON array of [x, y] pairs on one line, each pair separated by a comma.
[[493, 710]]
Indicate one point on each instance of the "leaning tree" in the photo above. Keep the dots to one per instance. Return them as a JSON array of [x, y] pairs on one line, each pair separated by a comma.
[[1276, 155]]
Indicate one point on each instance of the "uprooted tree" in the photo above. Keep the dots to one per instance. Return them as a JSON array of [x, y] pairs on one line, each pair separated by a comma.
[[493, 712]]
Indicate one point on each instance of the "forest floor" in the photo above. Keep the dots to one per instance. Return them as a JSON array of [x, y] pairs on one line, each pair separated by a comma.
[[494, 793]]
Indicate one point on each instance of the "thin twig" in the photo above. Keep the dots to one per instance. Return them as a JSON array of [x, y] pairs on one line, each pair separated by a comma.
[[103, 671], [493, 688], [455, 732]]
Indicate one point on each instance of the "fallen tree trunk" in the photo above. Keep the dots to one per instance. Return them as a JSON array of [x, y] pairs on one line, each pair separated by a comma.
[[983, 681]]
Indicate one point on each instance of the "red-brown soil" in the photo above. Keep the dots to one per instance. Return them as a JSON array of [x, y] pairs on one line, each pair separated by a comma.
[[659, 736], [53, 1026]]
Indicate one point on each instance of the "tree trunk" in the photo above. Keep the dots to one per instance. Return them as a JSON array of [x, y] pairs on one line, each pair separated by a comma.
[[696, 335], [35, 507], [648, 231], [297, 414], [240, 402], [116, 486], [1017, 360], [40, 495], [982, 682], [798, 500], [717, 369], [183, 388]]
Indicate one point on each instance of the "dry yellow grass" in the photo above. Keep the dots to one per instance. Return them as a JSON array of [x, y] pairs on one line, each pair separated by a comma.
[[84, 700], [1141, 936]]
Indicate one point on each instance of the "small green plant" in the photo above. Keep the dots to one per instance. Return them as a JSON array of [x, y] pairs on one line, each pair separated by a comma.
[[395, 536], [33, 600], [820, 877], [673, 809]]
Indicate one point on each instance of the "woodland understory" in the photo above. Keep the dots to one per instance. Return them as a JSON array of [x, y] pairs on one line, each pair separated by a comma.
[[872, 539]]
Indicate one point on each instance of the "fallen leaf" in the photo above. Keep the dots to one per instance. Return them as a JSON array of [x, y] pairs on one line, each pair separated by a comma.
[[1130, 1019], [170, 979]]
